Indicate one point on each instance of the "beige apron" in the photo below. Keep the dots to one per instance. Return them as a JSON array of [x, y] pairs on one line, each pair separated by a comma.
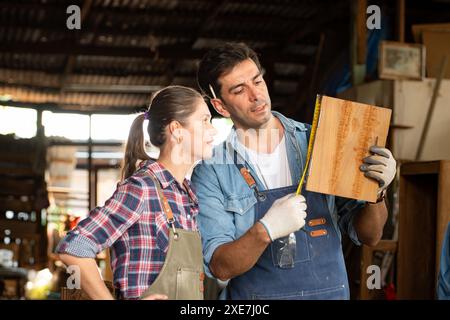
[[181, 276]]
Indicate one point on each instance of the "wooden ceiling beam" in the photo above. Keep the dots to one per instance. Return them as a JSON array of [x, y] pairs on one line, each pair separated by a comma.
[[72, 59], [212, 16], [185, 32], [178, 52]]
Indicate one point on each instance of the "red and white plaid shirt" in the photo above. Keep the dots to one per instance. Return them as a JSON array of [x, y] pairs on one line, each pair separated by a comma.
[[134, 225]]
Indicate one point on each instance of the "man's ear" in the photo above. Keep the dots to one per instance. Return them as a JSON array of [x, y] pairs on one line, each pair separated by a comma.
[[220, 107]]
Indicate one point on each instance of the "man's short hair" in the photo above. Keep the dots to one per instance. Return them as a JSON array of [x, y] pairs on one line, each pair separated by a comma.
[[218, 62]]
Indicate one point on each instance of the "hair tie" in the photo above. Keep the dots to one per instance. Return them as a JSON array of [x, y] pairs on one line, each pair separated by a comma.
[[146, 115]]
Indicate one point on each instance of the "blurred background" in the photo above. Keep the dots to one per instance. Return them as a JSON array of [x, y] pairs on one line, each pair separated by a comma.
[[68, 97]]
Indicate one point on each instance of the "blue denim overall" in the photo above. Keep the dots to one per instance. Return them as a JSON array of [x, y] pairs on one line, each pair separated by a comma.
[[319, 271]]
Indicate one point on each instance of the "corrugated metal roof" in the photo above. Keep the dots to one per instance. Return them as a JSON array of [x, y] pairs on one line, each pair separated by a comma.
[[144, 43]]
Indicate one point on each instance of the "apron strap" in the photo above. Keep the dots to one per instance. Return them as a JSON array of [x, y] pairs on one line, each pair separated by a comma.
[[308, 132], [245, 173], [165, 205]]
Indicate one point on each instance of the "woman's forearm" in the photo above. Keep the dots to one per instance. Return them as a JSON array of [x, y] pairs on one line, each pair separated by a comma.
[[91, 281]]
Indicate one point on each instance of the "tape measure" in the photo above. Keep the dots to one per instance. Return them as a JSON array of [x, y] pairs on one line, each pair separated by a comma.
[[312, 137]]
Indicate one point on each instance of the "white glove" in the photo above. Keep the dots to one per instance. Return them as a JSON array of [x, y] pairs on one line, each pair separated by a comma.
[[381, 166], [286, 215]]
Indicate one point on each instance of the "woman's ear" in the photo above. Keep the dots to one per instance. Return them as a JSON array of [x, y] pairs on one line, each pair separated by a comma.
[[175, 130], [220, 107]]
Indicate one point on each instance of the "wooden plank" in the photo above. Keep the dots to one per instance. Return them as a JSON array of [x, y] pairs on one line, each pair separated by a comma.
[[438, 46], [418, 29], [345, 133], [432, 106], [411, 101], [414, 168]]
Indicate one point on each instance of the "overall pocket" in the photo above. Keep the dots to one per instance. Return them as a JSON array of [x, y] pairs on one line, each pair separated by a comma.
[[189, 284], [301, 248]]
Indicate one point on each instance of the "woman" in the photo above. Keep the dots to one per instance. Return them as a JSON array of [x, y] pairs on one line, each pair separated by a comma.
[[150, 220]]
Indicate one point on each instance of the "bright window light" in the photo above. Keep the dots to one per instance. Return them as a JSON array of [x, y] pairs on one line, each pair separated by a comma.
[[223, 126], [112, 127], [20, 121], [68, 125]]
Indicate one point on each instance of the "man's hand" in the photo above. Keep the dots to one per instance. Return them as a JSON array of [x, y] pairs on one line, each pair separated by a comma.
[[381, 166], [286, 215]]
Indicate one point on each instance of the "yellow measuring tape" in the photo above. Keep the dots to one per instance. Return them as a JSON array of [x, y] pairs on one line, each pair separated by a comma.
[[311, 142]]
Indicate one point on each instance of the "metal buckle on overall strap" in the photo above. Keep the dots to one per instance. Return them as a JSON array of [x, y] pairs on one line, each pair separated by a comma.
[[171, 223]]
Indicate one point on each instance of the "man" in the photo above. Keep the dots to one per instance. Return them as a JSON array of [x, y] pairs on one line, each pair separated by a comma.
[[260, 238]]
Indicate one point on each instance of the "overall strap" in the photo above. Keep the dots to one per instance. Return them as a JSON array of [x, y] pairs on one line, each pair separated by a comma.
[[165, 205], [308, 132], [248, 178]]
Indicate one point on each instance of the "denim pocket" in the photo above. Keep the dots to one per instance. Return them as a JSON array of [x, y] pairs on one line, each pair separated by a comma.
[[242, 208], [239, 204]]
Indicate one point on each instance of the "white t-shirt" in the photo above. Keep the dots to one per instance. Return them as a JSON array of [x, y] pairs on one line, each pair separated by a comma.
[[272, 168]]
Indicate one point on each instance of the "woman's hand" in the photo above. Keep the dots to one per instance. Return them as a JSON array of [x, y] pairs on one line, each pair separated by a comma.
[[156, 297]]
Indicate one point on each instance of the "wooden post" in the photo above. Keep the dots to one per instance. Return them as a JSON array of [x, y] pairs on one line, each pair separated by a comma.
[[361, 31], [401, 20], [358, 41], [91, 190]]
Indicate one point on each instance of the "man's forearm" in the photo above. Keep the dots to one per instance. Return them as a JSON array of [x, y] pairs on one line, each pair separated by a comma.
[[369, 223], [234, 258]]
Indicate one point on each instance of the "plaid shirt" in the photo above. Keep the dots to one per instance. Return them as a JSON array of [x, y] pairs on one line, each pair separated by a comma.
[[134, 225]]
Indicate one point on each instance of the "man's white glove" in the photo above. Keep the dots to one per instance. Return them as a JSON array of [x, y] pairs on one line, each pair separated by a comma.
[[381, 166], [286, 215]]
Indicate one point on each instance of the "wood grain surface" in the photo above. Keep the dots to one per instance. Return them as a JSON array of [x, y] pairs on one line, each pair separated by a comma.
[[345, 132]]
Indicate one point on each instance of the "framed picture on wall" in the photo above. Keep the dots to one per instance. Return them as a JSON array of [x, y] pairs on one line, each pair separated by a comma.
[[400, 60]]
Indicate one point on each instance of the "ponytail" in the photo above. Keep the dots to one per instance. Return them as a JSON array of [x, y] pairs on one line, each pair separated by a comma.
[[134, 149]]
